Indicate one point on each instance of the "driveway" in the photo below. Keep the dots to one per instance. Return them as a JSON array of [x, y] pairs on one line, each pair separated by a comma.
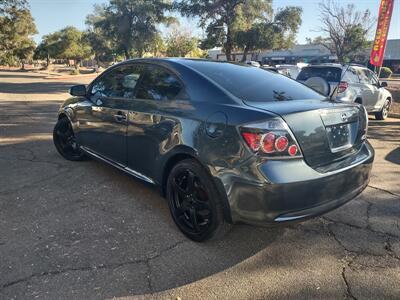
[[83, 230]]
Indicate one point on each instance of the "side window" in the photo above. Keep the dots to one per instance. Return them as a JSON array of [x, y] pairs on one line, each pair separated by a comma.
[[160, 85], [119, 82], [372, 78], [363, 75], [351, 76]]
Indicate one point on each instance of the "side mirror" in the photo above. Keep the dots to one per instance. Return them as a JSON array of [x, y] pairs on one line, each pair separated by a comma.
[[78, 90], [383, 84]]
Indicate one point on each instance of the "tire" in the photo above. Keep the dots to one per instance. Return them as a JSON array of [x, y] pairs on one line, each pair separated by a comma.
[[383, 113], [65, 142], [194, 202]]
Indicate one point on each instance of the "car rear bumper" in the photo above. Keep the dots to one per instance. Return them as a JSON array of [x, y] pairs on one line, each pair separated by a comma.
[[290, 190]]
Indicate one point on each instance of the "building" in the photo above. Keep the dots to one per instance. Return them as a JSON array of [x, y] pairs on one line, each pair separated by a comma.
[[308, 53], [312, 53], [392, 55]]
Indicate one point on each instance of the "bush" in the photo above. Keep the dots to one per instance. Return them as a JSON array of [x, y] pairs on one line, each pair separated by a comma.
[[75, 72], [385, 72]]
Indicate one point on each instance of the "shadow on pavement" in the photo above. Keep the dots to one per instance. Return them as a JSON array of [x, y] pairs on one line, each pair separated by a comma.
[[86, 230], [394, 156], [384, 131], [59, 216], [46, 87]]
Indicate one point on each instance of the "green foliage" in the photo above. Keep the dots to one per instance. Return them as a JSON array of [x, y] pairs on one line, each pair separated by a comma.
[[157, 46], [96, 37], [217, 17], [243, 24], [72, 45], [287, 22], [68, 43], [16, 30], [385, 72], [75, 71], [132, 24], [197, 53], [179, 43]]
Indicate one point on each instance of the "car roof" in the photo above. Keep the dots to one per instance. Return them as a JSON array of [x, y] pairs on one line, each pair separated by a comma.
[[178, 60], [324, 65]]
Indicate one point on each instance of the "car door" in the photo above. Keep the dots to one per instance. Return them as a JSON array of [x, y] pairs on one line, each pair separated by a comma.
[[369, 89], [353, 91], [378, 100], [152, 128], [103, 124]]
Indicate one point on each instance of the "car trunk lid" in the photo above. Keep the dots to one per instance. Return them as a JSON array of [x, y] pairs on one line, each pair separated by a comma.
[[326, 131]]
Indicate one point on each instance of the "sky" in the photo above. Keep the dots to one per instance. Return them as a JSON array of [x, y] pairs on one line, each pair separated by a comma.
[[53, 15]]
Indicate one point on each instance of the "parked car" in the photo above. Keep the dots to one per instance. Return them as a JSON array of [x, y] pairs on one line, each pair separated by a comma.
[[271, 68], [253, 63], [291, 71], [355, 84], [225, 143]]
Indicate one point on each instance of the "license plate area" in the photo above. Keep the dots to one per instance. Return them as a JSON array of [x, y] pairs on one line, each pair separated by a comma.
[[339, 137], [341, 128]]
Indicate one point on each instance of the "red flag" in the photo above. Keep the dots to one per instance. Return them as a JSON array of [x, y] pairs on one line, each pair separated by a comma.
[[382, 29]]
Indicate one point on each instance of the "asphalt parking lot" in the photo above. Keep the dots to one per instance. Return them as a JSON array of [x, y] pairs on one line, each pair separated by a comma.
[[83, 230]]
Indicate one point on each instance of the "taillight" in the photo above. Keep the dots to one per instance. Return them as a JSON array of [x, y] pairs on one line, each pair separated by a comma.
[[343, 85], [271, 138]]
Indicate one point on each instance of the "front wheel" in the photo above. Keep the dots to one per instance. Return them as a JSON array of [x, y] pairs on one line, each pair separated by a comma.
[[65, 142], [194, 202], [384, 112]]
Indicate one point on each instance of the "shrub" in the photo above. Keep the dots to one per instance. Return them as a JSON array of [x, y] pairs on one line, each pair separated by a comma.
[[385, 72]]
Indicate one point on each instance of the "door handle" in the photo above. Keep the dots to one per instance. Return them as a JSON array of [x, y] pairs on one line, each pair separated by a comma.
[[120, 116]]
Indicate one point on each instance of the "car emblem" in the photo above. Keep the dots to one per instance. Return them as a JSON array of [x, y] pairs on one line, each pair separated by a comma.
[[343, 117]]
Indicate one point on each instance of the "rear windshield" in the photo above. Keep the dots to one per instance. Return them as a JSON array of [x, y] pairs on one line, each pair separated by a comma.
[[252, 83], [331, 74]]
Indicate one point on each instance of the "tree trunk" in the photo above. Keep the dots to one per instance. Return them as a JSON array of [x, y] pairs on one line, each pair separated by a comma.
[[23, 64], [126, 54], [245, 52], [47, 61], [76, 65], [228, 45], [140, 52]]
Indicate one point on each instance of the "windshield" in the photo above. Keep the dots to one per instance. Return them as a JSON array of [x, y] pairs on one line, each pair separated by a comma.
[[330, 74], [252, 83]]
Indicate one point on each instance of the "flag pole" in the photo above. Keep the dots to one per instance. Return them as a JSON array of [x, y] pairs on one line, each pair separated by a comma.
[[383, 54]]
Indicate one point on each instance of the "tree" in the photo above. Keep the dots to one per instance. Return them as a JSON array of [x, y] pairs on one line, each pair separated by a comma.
[[244, 24], [132, 24], [344, 29], [96, 37], [72, 45], [48, 47], [16, 30], [277, 32], [68, 43], [217, 17], [180, 42], [157, 46]]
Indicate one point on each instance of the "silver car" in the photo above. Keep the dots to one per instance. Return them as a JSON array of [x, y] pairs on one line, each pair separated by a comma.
[[351, 83]]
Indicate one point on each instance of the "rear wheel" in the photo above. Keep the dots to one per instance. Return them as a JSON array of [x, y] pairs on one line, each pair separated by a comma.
[[65, 142], [194, 202], [384, 112]]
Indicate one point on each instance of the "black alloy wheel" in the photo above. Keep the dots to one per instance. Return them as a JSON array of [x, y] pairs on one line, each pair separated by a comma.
[[65, 141], [194, 202]]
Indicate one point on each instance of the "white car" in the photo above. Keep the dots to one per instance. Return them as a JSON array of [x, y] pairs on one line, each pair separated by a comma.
[[355, 83], [253, 63]]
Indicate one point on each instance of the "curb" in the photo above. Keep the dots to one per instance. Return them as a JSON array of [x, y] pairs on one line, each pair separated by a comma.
[[71, 76], [394, 115]]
